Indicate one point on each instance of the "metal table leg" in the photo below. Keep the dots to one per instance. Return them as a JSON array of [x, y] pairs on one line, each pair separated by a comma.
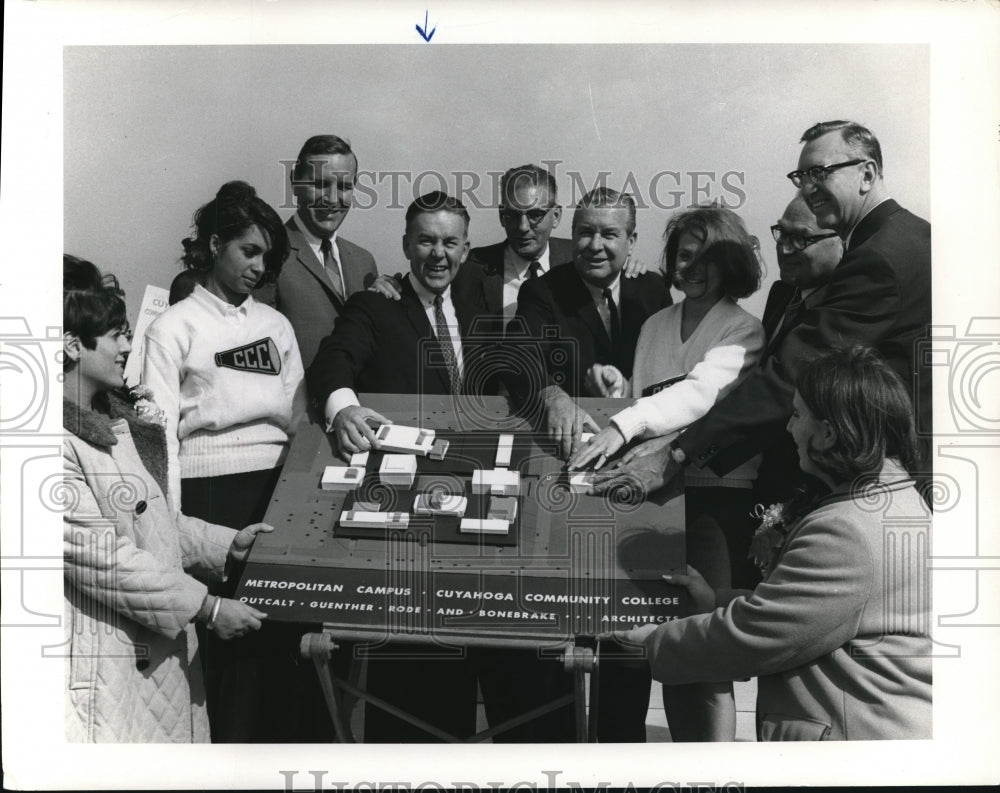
[[579, 661], [319, 647]]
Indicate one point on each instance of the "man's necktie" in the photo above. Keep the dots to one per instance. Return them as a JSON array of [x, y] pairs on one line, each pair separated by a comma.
[[794, 307], [444, 339], [615, 325], [332, 268], [534, 269], [789, 318]]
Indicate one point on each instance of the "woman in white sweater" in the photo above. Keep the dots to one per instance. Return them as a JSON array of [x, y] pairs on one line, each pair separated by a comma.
[[226, 370], [689, 355]]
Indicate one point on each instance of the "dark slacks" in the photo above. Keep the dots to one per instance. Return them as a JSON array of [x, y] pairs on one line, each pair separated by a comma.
[[514, 681], [435, 684], [258, 688]]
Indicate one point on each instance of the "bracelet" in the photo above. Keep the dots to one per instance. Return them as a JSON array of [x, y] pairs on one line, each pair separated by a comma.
[[215, 613]]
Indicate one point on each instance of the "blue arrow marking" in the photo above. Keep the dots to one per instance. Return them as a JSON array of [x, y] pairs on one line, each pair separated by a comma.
[[422, 30]]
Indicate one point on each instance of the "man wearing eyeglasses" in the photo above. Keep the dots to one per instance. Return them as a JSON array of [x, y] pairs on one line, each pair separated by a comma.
[[807, 257], [597, 312], [879, 294], [529, 213]]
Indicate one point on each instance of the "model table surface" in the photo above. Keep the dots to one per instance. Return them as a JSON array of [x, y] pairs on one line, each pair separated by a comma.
[[571, 565]]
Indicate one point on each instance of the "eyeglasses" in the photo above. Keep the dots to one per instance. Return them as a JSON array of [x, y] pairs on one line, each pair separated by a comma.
[[818, 173], [798, 242], [513, 217]]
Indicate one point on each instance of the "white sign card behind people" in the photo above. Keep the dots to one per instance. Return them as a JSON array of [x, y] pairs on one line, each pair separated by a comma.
[[154, 302]]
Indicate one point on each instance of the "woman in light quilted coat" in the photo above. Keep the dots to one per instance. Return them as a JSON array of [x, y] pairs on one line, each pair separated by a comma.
[[130, 559]]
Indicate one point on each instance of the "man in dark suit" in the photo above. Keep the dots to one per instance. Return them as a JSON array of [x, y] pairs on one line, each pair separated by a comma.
[[529, 213], [322, 269], [879, 295], [807, 257], [598, 314], [377, 344], [388, 346]]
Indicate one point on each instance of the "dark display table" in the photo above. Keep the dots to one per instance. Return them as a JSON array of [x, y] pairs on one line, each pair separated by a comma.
[[573, 565]]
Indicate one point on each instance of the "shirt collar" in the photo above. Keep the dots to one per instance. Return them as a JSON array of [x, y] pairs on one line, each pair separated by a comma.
[[425, 295], [597, 292], [221, 306], [516, 266], [314, 242]]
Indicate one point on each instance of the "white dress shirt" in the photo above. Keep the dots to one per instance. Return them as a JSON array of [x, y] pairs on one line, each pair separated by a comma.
[[315, 243], [345, 397], [516, 270]]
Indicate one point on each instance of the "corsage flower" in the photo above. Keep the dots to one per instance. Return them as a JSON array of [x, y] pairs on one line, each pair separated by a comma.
[[770, 535], [144, 406]]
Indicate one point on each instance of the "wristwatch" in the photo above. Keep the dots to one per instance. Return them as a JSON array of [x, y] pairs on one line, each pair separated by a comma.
[[677, 453]]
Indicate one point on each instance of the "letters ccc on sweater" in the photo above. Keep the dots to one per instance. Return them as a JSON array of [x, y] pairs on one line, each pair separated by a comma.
[[715, 358], [226, 377]]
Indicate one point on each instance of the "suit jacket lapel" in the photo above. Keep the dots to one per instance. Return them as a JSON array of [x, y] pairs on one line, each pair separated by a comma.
[[777, 301], [307, 259], [350, 271], [493, 291], [581, 296], [633, 308], [415, 313], [781, 331], [492, 282]]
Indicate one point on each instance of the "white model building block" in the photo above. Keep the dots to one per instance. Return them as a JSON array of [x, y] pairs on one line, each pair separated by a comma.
[[505, 446], [360, 459], [337, 477], [440, 504], [483, 526], [404, 440], [498, 482], [584, 438], [439, 449], [503, 508], [367, 520], [366, 506], [581, 481], [398, 469]]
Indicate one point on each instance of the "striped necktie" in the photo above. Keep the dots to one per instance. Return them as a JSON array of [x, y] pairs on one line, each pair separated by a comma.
[[444, 339]]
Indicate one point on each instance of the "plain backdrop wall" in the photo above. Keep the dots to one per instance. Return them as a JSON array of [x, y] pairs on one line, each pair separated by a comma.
[[152, 132]]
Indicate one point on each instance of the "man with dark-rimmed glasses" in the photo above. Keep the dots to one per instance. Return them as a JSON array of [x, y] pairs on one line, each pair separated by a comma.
[[879, 294]]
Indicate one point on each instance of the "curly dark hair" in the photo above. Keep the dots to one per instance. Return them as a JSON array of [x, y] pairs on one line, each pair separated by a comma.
[[725, 241], [235, 209], [870, 410]]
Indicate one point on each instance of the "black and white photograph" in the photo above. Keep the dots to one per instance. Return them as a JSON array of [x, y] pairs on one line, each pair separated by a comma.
[[506, 375]]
